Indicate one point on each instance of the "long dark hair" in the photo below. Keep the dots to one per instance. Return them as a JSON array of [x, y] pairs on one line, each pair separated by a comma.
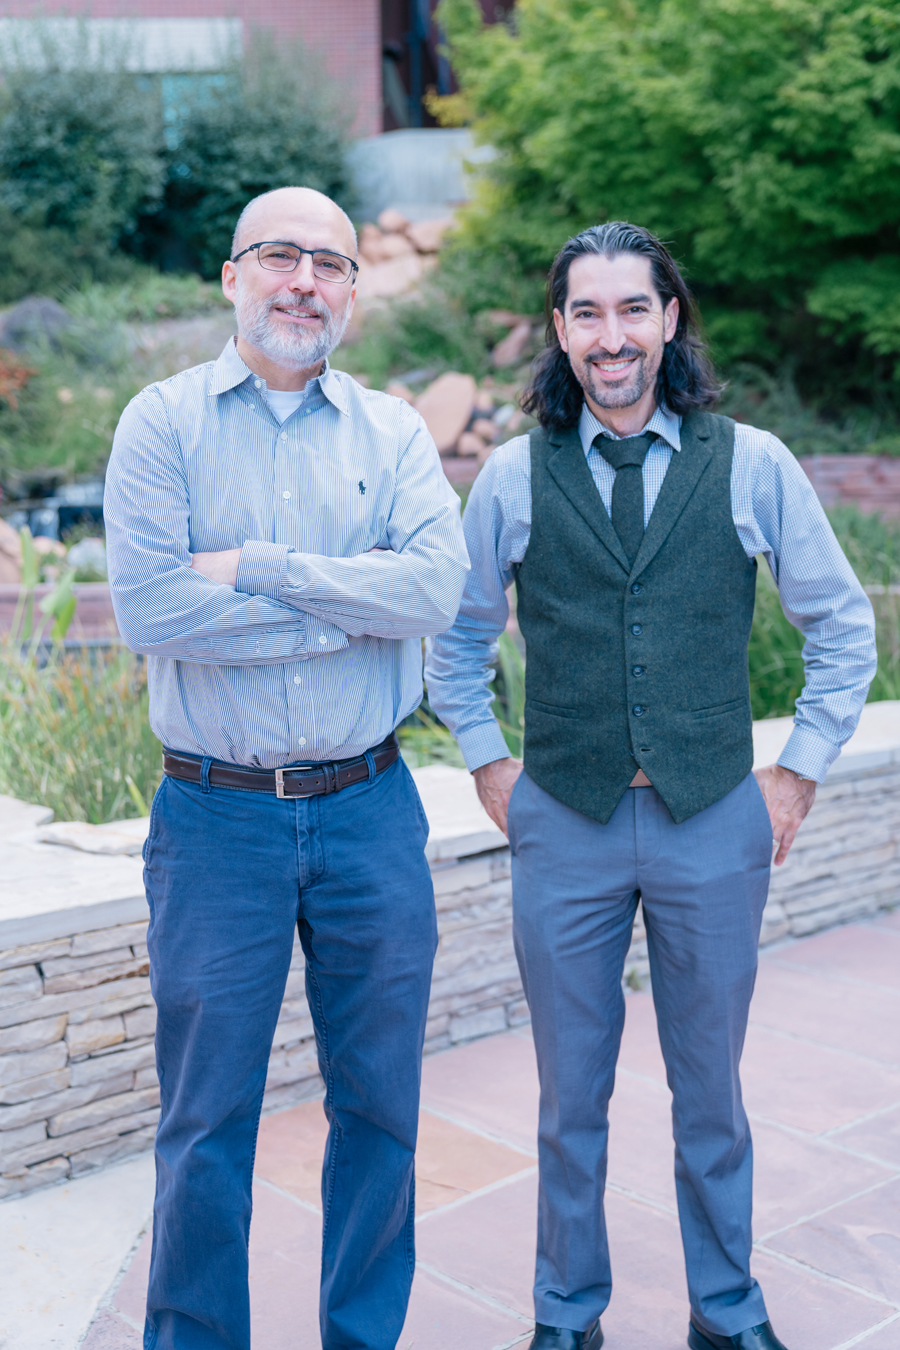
[[686, 377]]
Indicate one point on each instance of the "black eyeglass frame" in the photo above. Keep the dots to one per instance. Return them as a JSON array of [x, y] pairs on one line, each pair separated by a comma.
[[311, 251]]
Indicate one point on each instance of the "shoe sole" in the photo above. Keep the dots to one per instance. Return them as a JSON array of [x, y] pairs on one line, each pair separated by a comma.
[[697, 1341]]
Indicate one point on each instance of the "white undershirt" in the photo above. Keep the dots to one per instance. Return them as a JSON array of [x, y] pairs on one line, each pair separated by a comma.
[[283, 402]]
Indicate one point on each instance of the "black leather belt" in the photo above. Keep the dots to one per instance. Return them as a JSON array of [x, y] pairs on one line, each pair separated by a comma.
[[307, 780]]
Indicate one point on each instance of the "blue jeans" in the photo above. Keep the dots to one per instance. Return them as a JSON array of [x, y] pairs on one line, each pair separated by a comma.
[[703, 887], [228, 875]]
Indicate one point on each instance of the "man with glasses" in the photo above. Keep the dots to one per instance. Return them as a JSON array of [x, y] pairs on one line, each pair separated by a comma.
[[280, 540]]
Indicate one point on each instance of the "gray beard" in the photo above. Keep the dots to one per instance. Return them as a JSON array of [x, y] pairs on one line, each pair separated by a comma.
[[285, 345]]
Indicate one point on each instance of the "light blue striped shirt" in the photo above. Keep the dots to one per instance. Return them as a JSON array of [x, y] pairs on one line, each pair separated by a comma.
[[316, 653], [776, 513]]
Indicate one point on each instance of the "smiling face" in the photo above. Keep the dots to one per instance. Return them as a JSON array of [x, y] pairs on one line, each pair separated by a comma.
[[288, 322], [615, 330]]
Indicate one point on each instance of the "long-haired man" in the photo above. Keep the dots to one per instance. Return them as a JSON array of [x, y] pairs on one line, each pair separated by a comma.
[[630, 521]]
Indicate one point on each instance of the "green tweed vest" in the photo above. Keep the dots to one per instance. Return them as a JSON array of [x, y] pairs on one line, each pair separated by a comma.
[[643, 667]]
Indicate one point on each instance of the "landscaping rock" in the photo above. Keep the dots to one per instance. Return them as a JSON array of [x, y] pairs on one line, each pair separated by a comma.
[[512, 348], [381, 281], [398, 390], [392, 222], [10, 555], [485, 428], [446, 405], [426, 236], [470, 445], [34, 320]]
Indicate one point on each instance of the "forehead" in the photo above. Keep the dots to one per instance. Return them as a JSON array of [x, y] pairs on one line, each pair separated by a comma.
[[609, 281], [309, 223]]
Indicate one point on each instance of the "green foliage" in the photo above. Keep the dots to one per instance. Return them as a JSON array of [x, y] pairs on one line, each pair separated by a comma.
[[268, 122], [760, 137], [145, 296], [80, 159], [74, 731]]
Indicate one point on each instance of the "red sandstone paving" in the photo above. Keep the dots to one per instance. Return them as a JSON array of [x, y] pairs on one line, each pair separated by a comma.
[[857, 951], [813, 1005], [878, 1138], [827, 1255]]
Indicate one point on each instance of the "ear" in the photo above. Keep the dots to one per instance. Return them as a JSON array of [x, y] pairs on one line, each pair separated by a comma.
[[670, 319], [229, 280], [561, 330]]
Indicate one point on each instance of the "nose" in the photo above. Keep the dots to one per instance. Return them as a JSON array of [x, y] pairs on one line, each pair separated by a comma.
[[612, 336], [302, 278]]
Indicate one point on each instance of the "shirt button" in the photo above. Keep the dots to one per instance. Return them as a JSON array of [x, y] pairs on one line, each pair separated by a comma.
[[298, 679], [636, 629], [286, 496], [638, 710], [302, 740], [637, 671], [284, 435], [258, 383], [323, 640], [636, 588]]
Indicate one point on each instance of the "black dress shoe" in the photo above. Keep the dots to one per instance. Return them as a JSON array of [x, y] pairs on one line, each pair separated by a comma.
[[561, 1338], [754, 1338]]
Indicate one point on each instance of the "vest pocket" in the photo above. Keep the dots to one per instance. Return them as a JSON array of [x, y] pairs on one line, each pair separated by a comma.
[[552, 709], [719, 708]]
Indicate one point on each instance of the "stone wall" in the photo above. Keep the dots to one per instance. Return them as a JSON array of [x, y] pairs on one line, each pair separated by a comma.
[[78, 1085]]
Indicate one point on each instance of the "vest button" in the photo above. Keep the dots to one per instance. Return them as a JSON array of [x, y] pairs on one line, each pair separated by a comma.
[[636, 588], [637, 671], [638, 710], [636, 629]]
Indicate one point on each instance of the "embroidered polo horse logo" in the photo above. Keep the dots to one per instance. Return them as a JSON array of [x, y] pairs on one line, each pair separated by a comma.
[[362, 487]]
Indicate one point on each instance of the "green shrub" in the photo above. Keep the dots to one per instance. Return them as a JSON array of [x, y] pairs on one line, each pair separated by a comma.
[[81, 157], [267, 122], [760, 137]]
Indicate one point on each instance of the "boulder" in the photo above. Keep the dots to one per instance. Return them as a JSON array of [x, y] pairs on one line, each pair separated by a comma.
[[426, 236], [446, 405], [34, 320], [398, 390], [511, 350], [10, 555], [392, 222], [385, 279], [485, 428], [470, 445], [376, 247]]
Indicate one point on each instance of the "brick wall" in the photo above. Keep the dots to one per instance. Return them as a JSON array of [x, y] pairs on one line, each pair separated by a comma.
[[346, 35], [871, 482]]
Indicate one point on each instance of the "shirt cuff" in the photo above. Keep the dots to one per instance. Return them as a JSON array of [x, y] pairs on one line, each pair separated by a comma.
[[261, 569], [482, 744], [323, 638], [808, 754]]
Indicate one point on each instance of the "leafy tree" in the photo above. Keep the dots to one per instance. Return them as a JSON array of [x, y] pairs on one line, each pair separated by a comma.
[[760, 137], [266, 122]]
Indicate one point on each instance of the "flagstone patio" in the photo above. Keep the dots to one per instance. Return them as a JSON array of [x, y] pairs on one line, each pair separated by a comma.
[[822, 1085]]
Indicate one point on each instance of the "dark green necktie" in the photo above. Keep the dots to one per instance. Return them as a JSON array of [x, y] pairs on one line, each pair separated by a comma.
[[627, 458]]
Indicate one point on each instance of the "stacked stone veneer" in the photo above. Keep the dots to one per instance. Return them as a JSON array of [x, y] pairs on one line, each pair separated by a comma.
[[77, 1081]]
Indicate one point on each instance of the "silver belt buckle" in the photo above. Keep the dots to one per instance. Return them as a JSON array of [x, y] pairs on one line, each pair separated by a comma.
[[287, 796]]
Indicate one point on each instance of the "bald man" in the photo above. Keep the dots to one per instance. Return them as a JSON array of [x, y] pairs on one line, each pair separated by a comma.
[[280, 540]]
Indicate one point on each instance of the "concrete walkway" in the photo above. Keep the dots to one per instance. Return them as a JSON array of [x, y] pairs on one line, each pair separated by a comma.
[[822, 1085]]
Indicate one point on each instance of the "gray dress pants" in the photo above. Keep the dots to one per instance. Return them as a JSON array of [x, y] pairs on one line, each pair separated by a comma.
[[703, 884]]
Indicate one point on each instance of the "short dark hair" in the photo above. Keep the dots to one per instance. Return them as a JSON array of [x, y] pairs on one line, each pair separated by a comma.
[[686, 376]]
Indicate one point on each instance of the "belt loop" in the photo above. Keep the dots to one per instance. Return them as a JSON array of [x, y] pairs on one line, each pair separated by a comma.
[[204, 774], [370, 760]]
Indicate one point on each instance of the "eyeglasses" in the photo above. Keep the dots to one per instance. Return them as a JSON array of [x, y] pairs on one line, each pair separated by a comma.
[[276, 256]]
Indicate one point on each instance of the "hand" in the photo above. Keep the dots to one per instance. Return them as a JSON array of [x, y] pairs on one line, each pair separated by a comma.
[[788, 799], [221, 567], [494, 783]]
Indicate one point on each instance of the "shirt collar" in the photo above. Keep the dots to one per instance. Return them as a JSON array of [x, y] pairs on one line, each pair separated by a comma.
[[230, 370], [663, 423]]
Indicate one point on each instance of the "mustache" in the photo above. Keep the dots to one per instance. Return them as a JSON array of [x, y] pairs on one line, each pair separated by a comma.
[[624, 355], [289, 301]]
